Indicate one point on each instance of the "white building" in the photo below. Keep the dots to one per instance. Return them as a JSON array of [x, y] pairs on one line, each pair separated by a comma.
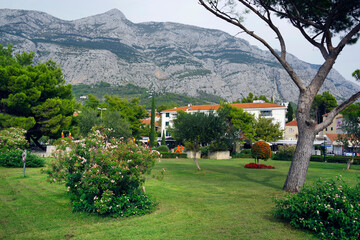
[[257, 108]]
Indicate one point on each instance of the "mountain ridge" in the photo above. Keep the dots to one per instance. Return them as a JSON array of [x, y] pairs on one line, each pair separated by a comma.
[[161, 56]]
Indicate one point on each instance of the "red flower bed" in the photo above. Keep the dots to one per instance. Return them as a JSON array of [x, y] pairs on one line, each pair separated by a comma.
[[254, 165]]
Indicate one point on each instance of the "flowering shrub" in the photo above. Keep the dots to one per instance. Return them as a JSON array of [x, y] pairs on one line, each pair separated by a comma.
[[254, 165], [104, 175], [12, 138], [330, 208], [261, 150]]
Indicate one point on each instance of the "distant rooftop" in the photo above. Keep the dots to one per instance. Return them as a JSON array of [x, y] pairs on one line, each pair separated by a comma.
[[215, 107]]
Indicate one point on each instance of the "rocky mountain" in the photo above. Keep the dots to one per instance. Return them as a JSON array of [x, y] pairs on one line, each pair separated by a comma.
[[164, 57]]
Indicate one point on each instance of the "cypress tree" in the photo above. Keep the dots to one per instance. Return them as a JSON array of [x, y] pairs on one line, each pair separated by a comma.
[[163, 140], [152, 123]]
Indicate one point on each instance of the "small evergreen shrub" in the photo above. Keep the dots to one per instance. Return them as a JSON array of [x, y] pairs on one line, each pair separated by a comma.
[[162, 148], [329, 208], [285, 152], [246, 151], [204, 151], [218, 146], [104, 175], [260, 150], [190, 147], [13, 159]]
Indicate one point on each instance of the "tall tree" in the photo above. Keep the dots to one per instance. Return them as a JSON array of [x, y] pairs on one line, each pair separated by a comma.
[[290, 113], [351, 126], [198, 128], [120, 127], [152, 136], [92, 102], [322, 104], [239, 123], [266, 130], [88, 118], [33, 96], [131, 111], [251, 98], [319, 22]]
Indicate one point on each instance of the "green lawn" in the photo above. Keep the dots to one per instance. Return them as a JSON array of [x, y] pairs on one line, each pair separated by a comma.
[[223, 201]]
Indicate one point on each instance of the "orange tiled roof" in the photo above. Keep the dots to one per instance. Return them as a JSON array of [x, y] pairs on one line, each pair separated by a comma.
[[148, 122], [292, 123], [333, 136], [215, 107]]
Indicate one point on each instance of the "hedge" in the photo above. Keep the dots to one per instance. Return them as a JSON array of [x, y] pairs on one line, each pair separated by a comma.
[[14, 159], [173, 155], [334, 159], [328, 158], [240, 155]]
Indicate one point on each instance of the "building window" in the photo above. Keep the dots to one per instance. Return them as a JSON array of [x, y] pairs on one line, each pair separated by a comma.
[[168, 134], [331, 128], [167, 115], [166, 123], [291, 130], [266, 113]]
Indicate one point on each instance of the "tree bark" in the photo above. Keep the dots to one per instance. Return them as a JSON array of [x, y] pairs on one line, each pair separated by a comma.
[[38, 144], [300, 163]]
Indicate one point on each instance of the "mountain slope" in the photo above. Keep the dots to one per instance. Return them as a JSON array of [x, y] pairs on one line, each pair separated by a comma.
[[164, 57]]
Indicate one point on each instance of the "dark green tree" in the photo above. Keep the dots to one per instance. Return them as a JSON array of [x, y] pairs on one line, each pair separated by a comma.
[[323, 103], [163, 140], [266, 130], [88, 118], [92, 102], [198, 128], [131, 111], [120, 128], [152, 136], [356, 74], [165, 107], [239, 124], [290, 113], [328, 26], [251, 98], [33, 96]]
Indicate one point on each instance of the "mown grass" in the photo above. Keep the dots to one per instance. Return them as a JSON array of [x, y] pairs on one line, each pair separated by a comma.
[[223, 201]]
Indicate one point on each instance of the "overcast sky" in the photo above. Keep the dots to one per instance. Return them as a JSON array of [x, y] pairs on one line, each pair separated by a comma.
[[187, 12]]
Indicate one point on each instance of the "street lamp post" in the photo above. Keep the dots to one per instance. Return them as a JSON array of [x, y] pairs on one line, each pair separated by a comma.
[[324, 148], [101, 109]]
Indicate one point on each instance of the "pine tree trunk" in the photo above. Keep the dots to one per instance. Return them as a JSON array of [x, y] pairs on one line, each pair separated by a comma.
[[348, 165], [300, 162]]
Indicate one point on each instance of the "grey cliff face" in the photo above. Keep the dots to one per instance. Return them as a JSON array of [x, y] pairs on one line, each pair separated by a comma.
[[162, 56]]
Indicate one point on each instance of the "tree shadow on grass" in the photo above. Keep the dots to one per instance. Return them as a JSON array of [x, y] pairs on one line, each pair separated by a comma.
[[256, 176]]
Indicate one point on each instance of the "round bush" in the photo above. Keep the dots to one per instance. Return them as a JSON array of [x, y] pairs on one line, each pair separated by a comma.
[[162, 148], [261, 150]]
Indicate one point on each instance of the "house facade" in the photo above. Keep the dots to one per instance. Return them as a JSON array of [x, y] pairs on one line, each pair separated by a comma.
[[257, 108], [335, 126], [291, 131]]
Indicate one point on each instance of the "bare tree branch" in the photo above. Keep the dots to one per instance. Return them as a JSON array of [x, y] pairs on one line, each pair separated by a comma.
[[217, 12]]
